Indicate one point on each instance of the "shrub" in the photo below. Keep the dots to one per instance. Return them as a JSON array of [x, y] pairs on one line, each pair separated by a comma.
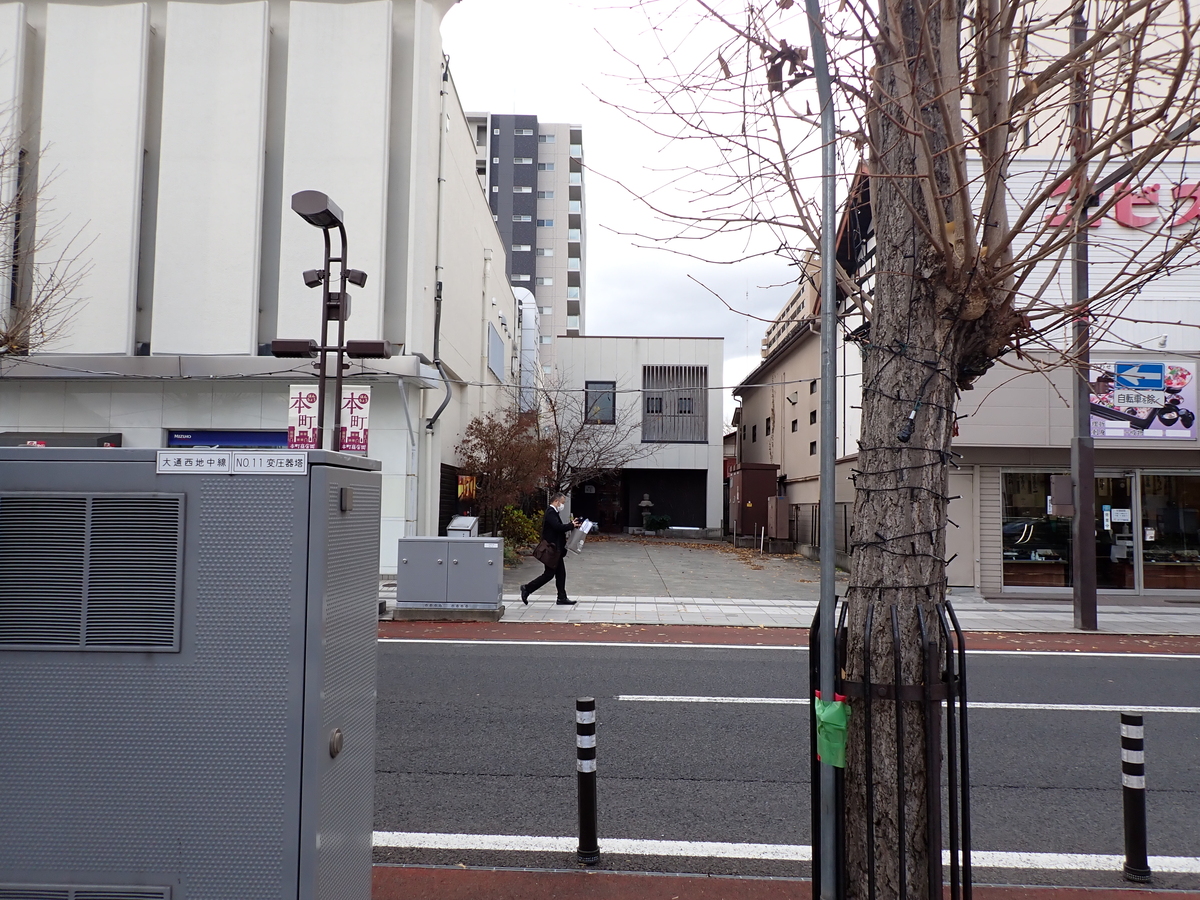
[[658, 523], [519, 530]]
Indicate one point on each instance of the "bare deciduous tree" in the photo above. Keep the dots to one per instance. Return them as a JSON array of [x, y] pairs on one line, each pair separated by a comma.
[[38, 297], [984, 127], [585, 445]]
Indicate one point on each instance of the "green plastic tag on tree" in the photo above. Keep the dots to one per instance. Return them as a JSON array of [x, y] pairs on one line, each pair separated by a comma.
[[832, 718]]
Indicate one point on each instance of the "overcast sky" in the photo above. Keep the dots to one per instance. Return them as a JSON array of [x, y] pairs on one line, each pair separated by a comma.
[[556, 59]]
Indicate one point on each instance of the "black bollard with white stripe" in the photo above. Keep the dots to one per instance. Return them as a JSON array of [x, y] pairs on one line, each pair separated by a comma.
[[1133, 787], [585, 769]]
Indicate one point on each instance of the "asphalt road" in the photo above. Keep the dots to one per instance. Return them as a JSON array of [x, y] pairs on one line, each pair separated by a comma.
[[479, 739]]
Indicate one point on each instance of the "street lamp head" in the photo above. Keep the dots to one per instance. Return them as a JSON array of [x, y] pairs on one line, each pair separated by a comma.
[[313, 277], [317, 209]]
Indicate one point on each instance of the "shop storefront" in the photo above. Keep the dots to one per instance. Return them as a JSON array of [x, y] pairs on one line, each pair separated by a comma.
[[1147, 532]]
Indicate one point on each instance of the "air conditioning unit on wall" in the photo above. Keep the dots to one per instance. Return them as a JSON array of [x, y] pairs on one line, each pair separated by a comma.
[[187, 673]]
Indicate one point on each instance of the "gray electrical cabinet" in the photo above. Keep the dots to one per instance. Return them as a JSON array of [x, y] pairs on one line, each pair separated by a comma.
[[187, 673], [450, 573]]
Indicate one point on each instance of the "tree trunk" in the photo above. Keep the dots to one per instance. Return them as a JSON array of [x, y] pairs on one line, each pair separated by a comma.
[[910, 387]]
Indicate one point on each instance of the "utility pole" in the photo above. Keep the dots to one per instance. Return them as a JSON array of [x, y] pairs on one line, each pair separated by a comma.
[[1083, 446]]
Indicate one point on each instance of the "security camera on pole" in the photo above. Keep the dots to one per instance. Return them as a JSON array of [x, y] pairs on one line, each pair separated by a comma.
[[318, 210]]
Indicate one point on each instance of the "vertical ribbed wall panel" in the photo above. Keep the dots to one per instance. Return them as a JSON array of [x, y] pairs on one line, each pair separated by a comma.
[[991, 555], [336, 141], [93, 126], [210, 182]]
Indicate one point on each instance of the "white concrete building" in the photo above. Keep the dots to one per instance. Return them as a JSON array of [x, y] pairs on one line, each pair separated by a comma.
[[666, 387], [170, 137]]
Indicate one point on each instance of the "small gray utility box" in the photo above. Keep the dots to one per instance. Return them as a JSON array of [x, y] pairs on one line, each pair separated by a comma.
[[450, 573], [463, 526], [187, 673]]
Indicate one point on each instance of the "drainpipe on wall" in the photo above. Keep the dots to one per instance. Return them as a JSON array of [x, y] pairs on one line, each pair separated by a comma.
[[437, 252]]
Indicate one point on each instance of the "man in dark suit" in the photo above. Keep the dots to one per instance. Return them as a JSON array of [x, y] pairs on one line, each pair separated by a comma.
[[554, 532]]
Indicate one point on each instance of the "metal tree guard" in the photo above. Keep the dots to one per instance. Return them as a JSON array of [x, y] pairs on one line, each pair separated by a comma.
[[944, 683]]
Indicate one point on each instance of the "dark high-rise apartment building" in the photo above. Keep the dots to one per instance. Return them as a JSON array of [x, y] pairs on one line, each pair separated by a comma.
[[533, 174]]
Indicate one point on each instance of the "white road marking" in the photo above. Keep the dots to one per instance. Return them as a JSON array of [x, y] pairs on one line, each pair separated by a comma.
[[646, 645], [788, 852], [973, 704]]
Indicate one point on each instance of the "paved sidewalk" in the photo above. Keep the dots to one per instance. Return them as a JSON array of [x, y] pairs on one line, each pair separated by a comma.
[[650, 582]]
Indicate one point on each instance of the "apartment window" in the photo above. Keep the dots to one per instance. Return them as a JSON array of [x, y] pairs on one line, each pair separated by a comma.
[[522, 218], [795, 425], [495, 131], [522, 189], [572, 293], [574, 234], [545, 251], [545, 223], [545, 339], [517, 248], [520, 278], [574, 206], [812, 417], [545, 281], [545, 195], [495, 188], [572, 263], [572, 323], [546, 370], [495, 218], [481, 168], [754, 434], [523, 132], [767, 428], [545, 139], [546, 310], [675, 404], [545, 167], [743, 432], [577, 150], [600, 405], [812, 387], [812, 448], [522, 160], [480, 135], [495, 160], [575, 178]]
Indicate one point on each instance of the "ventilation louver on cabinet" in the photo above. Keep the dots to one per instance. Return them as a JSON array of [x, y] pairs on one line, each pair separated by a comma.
[[71, 892], [98, 572]]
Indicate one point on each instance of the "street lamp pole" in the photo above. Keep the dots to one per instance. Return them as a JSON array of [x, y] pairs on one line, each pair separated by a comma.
[[318, 210], [828, 497]]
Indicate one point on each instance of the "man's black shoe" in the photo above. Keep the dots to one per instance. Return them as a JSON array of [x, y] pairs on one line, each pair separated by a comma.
[[562, 601], [525, 595]]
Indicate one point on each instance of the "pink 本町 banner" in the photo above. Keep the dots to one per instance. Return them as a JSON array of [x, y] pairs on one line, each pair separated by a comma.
[[302, 417], [356, 414]]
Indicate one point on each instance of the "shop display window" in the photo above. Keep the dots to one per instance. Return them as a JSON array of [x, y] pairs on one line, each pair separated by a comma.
[[1036, 544], [1171, 532]]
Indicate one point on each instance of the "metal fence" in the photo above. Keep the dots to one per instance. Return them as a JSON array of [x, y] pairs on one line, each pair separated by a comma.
[[805, 525]]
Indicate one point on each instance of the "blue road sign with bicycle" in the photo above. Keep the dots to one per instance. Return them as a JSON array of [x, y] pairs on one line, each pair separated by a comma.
[[1140, 376]]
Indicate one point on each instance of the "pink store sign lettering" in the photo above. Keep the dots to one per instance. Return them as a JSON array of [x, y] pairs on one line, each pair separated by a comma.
[[1138, 208]]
